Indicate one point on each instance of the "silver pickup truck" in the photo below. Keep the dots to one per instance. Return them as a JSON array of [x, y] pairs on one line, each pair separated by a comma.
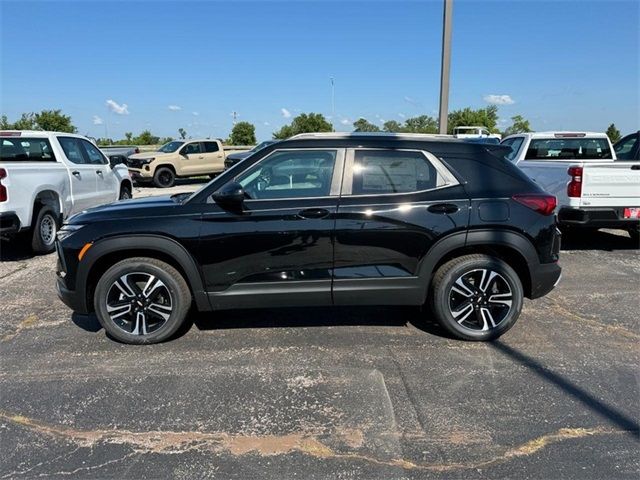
[[119, 153]]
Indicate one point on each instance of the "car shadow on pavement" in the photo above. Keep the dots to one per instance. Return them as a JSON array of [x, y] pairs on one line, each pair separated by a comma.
[[88, 323], [598, 407], [15, 250], [608, 240], [390, 316]]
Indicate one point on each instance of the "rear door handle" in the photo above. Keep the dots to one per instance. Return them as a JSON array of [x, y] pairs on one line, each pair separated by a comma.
[[635, 167], [443, 208], [313, 213], [76, 173]]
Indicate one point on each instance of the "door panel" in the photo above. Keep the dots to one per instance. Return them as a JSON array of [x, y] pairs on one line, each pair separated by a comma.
[[214, 158], [381, 240], [82, 174], [107, 188], [192, 159], [275, 251]]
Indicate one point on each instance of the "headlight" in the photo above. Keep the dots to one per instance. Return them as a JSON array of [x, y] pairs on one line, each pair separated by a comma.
[[147, 160], [67, 230]]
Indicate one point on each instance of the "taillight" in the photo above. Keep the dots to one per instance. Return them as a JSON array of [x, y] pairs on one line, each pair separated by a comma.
[[574, 187], [540, 202], [3, 189]]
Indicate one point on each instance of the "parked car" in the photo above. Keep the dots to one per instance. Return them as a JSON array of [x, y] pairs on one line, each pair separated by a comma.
[[178, 158], [323, 220], [47, 176], [474, 132], [628, 147], [119, 153], [234, 158], [579, 168]]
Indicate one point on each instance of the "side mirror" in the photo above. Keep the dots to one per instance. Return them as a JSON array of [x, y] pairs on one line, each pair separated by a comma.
[[231, 195]]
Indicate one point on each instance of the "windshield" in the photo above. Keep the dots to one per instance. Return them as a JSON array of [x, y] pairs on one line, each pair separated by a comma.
[[170, 147]]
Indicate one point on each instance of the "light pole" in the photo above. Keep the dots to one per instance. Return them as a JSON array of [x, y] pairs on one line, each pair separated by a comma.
[[446, 63]]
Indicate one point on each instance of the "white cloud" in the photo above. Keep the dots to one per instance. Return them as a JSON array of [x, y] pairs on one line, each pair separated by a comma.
[[97, 120], [345, 121], [117, 108], [401, 115], [195, 114], [267, 124], [174, 108], [285, 113], [499, 99], [412, 101]]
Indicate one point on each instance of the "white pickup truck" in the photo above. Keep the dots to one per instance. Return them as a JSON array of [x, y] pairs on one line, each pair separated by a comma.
[[594, 190], [47, 176]]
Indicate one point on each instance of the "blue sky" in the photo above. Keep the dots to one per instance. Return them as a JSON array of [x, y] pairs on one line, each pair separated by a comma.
[[563, 64]]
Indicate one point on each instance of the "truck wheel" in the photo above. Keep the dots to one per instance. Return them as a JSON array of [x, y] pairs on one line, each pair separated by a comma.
[[141, 300], [43, 232], [164, 177], [634, 233], [476, 297], [125, 192]]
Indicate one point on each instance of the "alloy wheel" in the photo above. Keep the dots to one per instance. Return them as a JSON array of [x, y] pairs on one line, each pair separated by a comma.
[[139, 303], [480, 299]]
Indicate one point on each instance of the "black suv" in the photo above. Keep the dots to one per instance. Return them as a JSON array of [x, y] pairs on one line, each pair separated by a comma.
[[323, 219]]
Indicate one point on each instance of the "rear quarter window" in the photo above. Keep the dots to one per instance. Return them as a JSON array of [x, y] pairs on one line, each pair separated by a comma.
[[21, 149]]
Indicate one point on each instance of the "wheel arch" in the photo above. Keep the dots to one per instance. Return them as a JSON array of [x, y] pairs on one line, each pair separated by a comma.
[[509, 246], [47, 198], [111, 250]]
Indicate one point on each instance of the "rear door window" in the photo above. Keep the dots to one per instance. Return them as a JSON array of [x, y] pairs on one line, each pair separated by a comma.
[[211, 147], [392, 171], [568, 149], [72, 149], [26, 149]]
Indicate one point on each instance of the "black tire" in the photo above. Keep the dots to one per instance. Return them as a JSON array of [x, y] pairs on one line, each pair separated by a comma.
[[634, 233], [164, 177], [172, 299], [43, 231], [125, 192], [491, 313]]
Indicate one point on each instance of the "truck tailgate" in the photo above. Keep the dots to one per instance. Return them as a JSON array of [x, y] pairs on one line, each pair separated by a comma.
[[612, 184]]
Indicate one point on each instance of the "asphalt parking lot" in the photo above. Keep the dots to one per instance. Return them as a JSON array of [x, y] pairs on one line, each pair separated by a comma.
[[327, 393]]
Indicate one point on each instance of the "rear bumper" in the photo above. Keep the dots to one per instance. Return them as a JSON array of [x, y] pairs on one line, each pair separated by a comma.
[[544, 278], [9, 223], [607, 217]]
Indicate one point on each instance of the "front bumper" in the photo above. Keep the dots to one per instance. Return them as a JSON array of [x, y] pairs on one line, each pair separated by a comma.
[[9, 223], [608, 217], [140, 174], [70, 298]]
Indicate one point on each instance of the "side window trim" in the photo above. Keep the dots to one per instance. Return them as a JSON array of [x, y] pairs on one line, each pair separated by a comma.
[[445, 178], [336, 179]]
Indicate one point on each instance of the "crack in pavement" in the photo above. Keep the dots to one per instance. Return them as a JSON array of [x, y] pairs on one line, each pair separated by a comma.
[[30, 322], [178, 442]]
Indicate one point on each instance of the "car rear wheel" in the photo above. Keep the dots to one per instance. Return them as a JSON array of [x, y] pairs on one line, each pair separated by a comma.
[[141, 300], [164, 177], [634, 233], [43, 233], [125, 192], [476, 297]]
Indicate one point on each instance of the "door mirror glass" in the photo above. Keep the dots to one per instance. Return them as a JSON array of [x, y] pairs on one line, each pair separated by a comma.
[[230, 195]]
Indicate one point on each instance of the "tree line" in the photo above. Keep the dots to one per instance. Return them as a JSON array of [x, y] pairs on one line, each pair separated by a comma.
[[244, 133]]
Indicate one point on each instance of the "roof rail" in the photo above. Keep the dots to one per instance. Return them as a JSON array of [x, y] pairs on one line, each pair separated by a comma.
[[369, 134]]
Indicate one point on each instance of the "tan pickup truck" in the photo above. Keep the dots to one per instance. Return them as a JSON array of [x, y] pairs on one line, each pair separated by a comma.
[[178, 158]]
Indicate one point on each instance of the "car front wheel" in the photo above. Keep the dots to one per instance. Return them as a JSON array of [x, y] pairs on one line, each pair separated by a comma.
[[141, 300], [476, 297], [164, 177]]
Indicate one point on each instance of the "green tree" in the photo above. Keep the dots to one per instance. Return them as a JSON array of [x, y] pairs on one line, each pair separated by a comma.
[[5, 124], [486, 117], [519, 125], [421, 124], [613, 133], [27, 121], [183, 133], [304, 123], [146, 138], [243, 133], [128, 136], [54, 121], [165, 140], [392, 126], [363, 125]]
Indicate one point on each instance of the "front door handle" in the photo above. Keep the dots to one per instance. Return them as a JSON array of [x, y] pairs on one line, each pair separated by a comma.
[[635, 167], [444, 208], [99, 172], [76, 173], [313, 213]]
